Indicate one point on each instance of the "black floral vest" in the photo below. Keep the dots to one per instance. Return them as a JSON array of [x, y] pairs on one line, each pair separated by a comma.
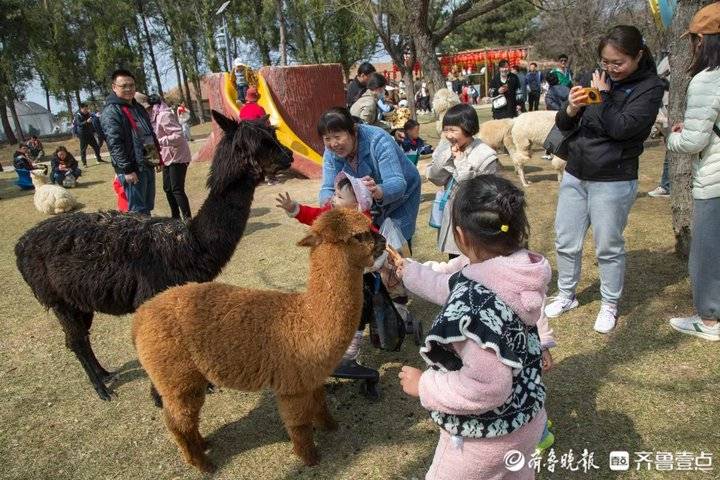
[[474, 313]]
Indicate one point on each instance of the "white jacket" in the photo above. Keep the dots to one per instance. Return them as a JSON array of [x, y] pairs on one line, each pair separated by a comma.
[[477, 159], [697, 136]]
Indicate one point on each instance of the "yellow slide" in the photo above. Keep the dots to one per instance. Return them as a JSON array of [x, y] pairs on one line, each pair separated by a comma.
[[284, 133]]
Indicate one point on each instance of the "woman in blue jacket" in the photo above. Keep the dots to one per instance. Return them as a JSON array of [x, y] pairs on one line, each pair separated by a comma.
[[372, 154]]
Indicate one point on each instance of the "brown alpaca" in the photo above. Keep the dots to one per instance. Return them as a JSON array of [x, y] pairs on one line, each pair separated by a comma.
[[257, 339]]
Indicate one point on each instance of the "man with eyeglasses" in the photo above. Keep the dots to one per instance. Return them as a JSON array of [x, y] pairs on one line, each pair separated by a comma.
[[130, 140], [564, 74]]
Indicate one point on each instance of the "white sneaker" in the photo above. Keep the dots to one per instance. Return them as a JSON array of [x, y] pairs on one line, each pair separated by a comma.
[[659, 192], [559, 306], [606, 318], [694, 326], [547, 156]]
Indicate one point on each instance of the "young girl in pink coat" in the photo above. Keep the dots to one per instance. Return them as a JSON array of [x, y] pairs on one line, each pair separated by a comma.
[[484, 386]]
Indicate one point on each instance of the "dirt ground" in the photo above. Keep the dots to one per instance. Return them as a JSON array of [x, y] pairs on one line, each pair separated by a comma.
[[641, 388]]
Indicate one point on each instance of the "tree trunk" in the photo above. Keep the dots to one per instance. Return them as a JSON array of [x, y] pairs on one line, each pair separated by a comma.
[[68, 103], [429, 61], [283, 32], [77, 98], [183, 99], [681, 165], [150, 47], [47, 92], [410, 90], [186, 84], [196, 83], [140, 77], [260, 38], [9, 134], [18, 128]]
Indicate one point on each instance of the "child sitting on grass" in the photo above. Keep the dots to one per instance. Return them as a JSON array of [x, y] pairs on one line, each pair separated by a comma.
[[484, 387]]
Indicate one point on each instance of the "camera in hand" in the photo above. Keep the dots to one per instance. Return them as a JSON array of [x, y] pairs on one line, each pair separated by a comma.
[[593, 95]]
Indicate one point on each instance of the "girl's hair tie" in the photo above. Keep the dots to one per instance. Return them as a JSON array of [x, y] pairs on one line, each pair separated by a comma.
[[504, 228]]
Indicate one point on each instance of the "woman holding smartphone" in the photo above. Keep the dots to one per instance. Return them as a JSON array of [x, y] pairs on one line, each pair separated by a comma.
[[600, 182]]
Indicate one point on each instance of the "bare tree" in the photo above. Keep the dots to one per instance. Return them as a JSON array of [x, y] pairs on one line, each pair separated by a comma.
[[283, 32]]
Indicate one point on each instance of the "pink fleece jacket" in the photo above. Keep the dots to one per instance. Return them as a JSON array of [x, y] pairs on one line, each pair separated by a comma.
[[483, 383], [174, 147]]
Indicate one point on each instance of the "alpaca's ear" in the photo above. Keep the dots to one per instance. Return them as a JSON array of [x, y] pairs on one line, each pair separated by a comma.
[[225, 123], [312, 240]]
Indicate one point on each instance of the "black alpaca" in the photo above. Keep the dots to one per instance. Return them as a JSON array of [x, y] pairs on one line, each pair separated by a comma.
[[109, 262]]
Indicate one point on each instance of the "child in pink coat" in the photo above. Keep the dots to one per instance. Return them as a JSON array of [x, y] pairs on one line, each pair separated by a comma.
[[484, 388]]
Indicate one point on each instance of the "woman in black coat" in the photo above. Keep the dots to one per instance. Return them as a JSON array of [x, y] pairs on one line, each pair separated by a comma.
[[599, 187], [507, 84]]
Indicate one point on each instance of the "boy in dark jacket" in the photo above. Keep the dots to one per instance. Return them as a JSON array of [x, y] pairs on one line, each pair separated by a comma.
[[412, 142], [557, 94]]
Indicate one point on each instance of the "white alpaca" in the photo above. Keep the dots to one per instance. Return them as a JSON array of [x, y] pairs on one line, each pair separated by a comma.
[[496, 134], [528, 129], [51, 199]]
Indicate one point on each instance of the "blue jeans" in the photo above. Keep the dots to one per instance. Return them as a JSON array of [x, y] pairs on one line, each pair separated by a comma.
[[605, 206], [665, 179], [58, 176], [141, 195], [241, 91]]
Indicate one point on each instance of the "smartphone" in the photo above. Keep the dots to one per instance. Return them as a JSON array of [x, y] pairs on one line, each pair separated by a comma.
[[593, 95]]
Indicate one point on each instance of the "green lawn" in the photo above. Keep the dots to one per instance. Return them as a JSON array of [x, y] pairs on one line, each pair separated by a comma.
[[642, 388]]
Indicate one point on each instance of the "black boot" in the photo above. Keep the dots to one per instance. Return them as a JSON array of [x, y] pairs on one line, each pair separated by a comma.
[[354, 371]]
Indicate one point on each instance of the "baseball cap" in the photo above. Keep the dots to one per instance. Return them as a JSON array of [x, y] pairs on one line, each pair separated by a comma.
[[705, 21]]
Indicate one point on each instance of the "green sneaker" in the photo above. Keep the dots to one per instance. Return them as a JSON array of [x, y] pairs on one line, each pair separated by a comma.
[[547, 440]]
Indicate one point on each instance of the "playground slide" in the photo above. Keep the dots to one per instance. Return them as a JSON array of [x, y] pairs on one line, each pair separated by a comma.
[[306, 160]]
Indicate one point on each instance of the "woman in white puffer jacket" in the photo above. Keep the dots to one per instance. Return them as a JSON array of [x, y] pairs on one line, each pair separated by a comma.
[[700, 134]]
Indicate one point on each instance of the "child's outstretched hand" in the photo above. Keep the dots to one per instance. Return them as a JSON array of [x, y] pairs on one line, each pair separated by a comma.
[[285, 202], [547, 361], [396, 260], [409, 380]]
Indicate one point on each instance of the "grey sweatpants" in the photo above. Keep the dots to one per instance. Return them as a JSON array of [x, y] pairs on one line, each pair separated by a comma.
[[605, 206], [705, 258]]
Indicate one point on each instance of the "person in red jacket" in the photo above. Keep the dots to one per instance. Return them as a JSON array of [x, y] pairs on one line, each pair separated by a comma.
[[350, 192], [251, 110]]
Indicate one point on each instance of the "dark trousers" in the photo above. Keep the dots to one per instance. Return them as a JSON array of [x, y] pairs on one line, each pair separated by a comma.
[[533, 100], [86, 140], [174, 188]]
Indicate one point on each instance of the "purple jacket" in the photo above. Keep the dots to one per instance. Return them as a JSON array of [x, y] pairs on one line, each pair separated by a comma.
[[174, 147]]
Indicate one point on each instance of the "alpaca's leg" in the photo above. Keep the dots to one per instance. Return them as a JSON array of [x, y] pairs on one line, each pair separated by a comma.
[[77, 339], [182, 417], [157, 399], [297, 412], [104, 375], [323, 419]]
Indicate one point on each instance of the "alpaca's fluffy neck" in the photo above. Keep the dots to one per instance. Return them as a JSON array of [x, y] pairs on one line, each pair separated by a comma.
[[220, 223], [38, 180], [333, 302]]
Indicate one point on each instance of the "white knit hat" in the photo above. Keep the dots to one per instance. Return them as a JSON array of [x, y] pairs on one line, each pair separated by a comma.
[[362, 194]]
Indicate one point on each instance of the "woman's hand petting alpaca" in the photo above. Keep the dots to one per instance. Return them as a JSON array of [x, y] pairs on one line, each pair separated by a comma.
[[409, 380], [285, 202], [547, 361]]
